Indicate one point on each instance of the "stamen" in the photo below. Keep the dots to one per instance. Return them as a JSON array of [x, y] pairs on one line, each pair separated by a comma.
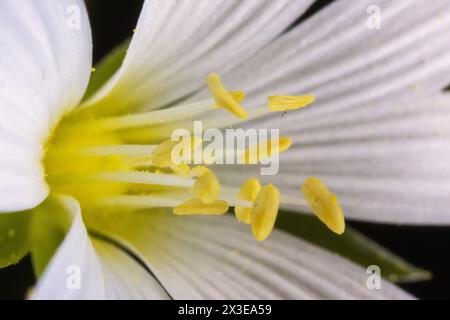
[[198, 171], [238, 96], [248, 192], [293, 201], [266, 149], [137, 202], [324, 204], [140, 177], [285, 103], [228, 193], [207, 187], [118, 150], [234, 202], [278, 105], [226, 99], [182, 169], [224, 121], [170, 182], [157, 117], [195, 206], [264, 212], [163, 154]]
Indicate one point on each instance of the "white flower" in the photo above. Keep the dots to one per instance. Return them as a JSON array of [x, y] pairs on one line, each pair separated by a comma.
[[377, 134]]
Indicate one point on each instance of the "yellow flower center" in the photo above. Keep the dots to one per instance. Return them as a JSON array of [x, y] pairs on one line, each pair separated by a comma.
[[74, 157], [126, 162]]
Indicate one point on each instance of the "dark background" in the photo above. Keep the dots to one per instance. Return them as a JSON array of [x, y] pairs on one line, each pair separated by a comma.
[[426, 247]]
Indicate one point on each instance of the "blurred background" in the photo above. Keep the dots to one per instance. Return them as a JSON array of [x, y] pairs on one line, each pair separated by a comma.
[[427, 247]]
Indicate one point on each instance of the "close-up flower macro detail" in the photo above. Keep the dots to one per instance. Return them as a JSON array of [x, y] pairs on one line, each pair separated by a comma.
[[97, 194]]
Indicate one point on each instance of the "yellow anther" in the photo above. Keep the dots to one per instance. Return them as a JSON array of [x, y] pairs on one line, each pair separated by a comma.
[[226, 99], [182, 169], [207, 187], [162, 158], [264, 212], [184, 150], [195, 206], [162, 155], [238, 96], [93, 70], [248, 192], [266, 149], [198, 171], [324, 204], [286, 103]]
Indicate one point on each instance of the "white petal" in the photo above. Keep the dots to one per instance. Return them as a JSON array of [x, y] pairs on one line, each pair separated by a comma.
[[217, 258], [334, 56], [124, 277], [75, 259], [378, 133], [44, 70], [387, 162], [106, 272], [177, 43]]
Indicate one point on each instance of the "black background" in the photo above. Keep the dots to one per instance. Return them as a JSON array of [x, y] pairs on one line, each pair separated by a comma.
[[426, 247]]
